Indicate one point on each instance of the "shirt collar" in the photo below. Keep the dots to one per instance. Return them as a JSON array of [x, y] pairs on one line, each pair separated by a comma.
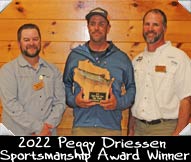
[[23, 62], [161, 48]]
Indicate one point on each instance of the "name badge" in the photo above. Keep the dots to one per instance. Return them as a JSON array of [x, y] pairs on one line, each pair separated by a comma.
[[159, 68], [38, 86]]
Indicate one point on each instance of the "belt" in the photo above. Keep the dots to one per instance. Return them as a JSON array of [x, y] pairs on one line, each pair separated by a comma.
[[153, 122]]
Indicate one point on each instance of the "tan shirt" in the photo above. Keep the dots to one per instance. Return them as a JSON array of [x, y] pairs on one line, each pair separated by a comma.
[[162, 79]]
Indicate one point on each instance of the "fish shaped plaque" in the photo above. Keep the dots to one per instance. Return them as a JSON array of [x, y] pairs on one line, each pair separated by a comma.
[[95, 81]]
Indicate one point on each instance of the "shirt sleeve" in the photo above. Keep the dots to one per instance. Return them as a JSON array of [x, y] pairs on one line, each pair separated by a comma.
[[58, 105], [183, 77], [126, 100], [68, 81]]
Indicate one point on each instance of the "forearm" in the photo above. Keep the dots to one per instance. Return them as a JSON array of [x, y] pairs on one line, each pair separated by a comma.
[[184, 115], [19, 115], [126, 100], [56, 115], [57, 105]]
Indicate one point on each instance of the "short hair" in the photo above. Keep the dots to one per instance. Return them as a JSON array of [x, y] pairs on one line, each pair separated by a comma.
[[27, 26], [157, 11]]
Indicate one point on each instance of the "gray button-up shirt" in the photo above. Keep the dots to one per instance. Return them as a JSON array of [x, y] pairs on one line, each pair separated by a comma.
[[26, 108]]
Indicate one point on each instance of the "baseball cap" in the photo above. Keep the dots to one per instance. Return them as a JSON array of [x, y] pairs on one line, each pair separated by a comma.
[[98, 11]]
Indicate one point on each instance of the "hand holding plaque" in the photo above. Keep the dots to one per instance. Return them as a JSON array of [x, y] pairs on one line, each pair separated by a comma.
[[94, 80]]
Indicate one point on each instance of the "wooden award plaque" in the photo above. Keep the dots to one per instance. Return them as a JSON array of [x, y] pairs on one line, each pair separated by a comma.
[[94, 80]]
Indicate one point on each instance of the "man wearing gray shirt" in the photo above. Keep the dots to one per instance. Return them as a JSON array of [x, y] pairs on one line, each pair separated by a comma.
[[31, 89]]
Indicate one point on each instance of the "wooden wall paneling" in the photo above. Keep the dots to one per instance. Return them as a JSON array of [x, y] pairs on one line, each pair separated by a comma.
[[67, 118], [76, 10], [57, 52], [67, 30], [63, 27]]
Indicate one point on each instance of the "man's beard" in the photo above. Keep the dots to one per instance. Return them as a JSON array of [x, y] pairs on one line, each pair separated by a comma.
[[154, 40], [24, 52], [97, 39]]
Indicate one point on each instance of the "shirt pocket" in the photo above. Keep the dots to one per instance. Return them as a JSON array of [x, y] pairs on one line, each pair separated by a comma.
[[139, 77], [164, 79], [164, 85]]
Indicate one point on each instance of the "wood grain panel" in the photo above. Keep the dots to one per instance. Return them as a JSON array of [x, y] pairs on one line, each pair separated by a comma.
[[51, 30], [57, 52], [63, 27], [66, 30], [67, 119], [75, 9]]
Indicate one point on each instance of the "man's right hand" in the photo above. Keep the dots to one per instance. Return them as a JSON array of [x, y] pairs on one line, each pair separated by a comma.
[[82, 102], [46, 130]]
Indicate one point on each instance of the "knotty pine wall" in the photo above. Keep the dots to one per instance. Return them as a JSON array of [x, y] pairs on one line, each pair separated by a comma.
[[63, 27]]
